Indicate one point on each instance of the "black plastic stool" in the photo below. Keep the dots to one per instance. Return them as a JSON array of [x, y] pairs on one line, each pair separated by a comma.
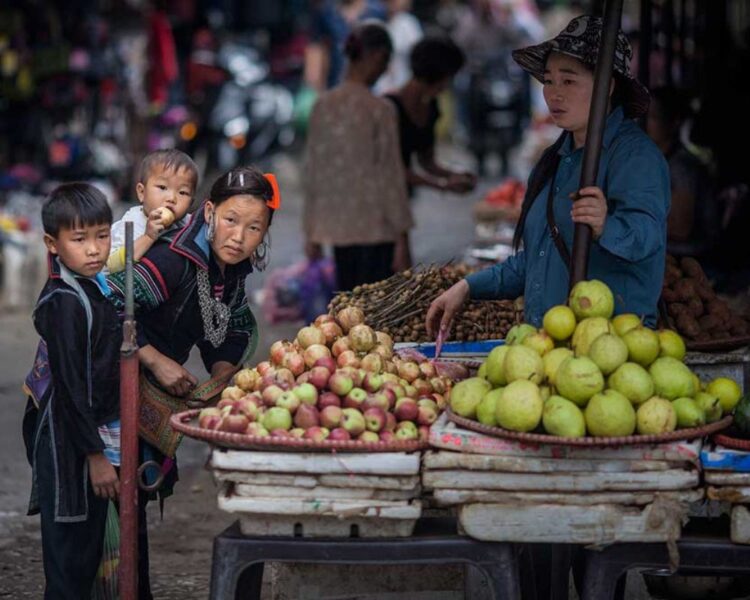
[[699, 555], [237, 563]]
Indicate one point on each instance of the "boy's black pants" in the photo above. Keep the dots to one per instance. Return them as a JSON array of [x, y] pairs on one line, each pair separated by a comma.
[[72, 551]]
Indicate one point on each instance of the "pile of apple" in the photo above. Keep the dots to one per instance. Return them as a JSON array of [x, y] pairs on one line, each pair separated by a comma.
[[338, 380], [586, 372]]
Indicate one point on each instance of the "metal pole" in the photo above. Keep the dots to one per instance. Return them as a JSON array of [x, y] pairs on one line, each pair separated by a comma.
[[644, 46], [595, 132], [128, 575]]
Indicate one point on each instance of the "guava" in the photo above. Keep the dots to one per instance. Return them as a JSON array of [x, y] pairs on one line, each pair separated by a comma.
[[561, 417], [609, 414], [672, 378], [643, 345], [671, 344], [689, 413], [482, 370], [608, 352], [578, 379], [517, 333], [711, 406], [656, 415], [496, 365], [523, 363], [625, 322], [552, 361], [587, 331], [591, 298], [540, 342], [519, 407], [727, 391], [487, 408], [467, 394], [559, 322], [633, 382]]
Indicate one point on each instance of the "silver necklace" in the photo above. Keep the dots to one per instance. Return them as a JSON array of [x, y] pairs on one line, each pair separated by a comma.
[[215, 314]]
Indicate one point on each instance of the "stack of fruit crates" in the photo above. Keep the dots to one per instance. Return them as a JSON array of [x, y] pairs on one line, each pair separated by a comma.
[[320, 494], [511, 491], [727, 477]]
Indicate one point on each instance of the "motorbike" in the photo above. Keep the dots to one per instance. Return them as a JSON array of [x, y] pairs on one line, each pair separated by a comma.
[[242, 117]]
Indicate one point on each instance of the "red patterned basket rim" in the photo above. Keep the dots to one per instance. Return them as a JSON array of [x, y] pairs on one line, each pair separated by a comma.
[[728, 441], [239, 441], [629, 440]]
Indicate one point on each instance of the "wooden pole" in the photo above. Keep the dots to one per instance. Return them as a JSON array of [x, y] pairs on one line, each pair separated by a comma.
[[595, 132], [128, 574]]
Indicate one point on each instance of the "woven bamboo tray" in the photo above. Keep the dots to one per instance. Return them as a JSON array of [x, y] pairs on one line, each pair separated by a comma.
[[725, 345], [543, 438], [730, 439], [184, 423]]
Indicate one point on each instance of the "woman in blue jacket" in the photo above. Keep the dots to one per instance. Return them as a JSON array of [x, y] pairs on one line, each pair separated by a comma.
[[627, 209]]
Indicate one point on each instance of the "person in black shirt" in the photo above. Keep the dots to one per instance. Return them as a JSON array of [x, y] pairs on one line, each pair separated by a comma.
[[72, 418]]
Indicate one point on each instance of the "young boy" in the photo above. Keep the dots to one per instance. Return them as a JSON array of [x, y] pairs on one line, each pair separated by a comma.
[[167, 180], [73, 480]]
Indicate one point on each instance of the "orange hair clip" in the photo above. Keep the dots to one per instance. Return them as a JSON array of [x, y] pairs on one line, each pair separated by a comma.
[[275, 202]]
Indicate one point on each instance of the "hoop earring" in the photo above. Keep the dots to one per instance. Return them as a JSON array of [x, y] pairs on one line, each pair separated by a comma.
[[211, 229], [259, 259]]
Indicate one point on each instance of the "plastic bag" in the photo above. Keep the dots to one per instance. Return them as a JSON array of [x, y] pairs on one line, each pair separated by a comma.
[[299, 292]]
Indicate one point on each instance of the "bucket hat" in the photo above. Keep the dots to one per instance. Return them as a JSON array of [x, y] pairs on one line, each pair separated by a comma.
[[581, 39]]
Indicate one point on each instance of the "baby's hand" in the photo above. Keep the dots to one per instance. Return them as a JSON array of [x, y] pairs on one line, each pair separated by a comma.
[[159, 219]]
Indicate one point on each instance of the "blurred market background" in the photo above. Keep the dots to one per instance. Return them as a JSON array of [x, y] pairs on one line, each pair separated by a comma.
[[87, 87]]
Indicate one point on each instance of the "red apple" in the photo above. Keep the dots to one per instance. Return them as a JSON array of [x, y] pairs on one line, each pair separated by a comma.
[[331, 416], [438, 385], [278, 351], [247, 379], [390, 368], [324, 318], [348, 358], [362, 338], [263, 367], [209, 418], [328, 362], [406, 409], [408, 370], [340, 346], [349, 317], [306, 416], [353, 421], [375, 419], [411, 391], [427, 413], [390, 422], [384, 352], [331, 331], [310, 335], [315, 352], [423, 387], [319, 376], [307, 393], [248, 406], [372, 363], [289, 401], [340, 434], [440, 401], [368, 437], [406, 430], [233, 392], [303, 378], [340, 383], [317, 434], [427, 369], [355, 398], [396, 389], [386, 436], [271, 394], [424, 433], [328, 399], [378, 400], [297, 433], [293, 361], [234, 423], [384, 339], [257, 430]]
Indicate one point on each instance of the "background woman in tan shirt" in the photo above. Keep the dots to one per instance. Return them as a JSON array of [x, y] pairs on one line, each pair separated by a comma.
[[355, 187]]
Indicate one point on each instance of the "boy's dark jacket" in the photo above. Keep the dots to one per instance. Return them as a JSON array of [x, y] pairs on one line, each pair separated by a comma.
[[84, 391]]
